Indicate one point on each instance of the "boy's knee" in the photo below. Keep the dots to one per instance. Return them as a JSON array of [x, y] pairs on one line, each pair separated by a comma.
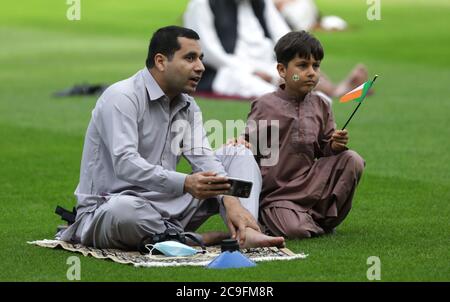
[[295, 231], [355, 160]]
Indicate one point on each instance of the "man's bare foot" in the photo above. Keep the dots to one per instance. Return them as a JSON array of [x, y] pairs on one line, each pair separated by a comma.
[[254, 238], [356, 77], [214, 238]]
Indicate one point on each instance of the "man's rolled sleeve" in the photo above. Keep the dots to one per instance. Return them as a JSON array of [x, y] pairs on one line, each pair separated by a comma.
[[176, 182]]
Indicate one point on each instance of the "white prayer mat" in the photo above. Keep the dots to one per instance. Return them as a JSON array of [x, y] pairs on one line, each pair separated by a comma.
[[137, 259]]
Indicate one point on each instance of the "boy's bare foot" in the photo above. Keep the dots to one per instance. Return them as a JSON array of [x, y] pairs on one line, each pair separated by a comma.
[[214, 238], [254, 238]]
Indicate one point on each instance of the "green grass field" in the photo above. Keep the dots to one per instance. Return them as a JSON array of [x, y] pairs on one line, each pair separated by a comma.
[[401, 209]]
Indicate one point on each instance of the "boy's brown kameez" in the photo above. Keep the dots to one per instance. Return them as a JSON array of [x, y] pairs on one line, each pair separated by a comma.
[[309, 191]]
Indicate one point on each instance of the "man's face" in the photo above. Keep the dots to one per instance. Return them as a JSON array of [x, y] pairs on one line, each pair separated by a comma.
[[301, 75], [184, 71]]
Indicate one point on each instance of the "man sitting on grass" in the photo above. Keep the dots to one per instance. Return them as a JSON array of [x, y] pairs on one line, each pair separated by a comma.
[[129, 188]]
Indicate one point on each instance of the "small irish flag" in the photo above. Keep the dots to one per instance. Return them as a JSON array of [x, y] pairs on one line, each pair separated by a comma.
[[358, 94]]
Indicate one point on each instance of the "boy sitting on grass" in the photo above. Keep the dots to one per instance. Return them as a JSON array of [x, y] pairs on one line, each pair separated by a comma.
[[309, 191]]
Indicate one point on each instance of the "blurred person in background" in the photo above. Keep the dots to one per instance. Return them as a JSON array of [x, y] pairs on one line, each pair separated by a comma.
[[305, 15], [237, 38]]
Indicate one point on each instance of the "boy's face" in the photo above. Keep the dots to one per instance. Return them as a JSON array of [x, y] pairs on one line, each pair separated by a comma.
[[301, 75]]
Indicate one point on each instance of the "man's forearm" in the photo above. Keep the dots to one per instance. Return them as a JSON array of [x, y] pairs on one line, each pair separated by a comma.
[[230, 201]]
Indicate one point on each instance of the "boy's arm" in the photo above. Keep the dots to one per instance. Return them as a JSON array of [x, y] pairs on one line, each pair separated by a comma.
[[325, 139], [251, 131]]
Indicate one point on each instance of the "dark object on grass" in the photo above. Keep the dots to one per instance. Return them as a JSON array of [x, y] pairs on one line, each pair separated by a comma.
[[68, 216], [82, 89], [230, 257], [229, 245]]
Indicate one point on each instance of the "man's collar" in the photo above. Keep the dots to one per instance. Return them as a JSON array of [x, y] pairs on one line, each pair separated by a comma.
[[154, 91]]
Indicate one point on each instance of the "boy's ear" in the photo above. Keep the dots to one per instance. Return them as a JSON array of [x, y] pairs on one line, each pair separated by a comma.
[[281, 70]]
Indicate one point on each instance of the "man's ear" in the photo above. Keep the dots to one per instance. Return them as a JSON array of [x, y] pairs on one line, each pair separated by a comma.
[[160, 62], [281, 70]]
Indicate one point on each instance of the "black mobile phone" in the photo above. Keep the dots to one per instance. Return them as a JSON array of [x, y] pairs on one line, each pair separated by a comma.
[[239, 187]]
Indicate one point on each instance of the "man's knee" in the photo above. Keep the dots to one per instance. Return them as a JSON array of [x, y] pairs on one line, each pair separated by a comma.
[[113, 225], [230, 150], [122, 209], [123, 221]]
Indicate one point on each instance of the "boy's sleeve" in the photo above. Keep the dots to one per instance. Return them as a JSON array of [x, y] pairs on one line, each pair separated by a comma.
[[252, 129], [252, 117], [329, 126]]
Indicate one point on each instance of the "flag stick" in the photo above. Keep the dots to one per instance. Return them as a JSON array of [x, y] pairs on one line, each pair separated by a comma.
[[356, 109]]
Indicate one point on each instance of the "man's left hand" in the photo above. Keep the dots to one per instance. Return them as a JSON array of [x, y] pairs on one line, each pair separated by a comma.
[[238, 218]]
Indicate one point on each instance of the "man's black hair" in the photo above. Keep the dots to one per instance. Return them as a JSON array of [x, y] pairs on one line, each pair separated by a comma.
[[298, 43], [165, 41]]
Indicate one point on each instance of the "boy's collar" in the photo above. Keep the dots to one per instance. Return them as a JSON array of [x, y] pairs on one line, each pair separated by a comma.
[[281, 91]]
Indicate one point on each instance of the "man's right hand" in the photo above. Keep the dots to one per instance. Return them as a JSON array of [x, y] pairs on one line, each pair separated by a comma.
[[203, 185]]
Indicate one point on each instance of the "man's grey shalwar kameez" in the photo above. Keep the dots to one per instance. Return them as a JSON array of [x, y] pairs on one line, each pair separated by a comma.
[[129, 187]]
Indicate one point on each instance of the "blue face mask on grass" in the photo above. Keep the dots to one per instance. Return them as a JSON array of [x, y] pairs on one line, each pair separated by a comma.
[[172, 248]]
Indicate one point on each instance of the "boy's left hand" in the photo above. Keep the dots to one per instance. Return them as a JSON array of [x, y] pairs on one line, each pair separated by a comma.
[[339, 140]]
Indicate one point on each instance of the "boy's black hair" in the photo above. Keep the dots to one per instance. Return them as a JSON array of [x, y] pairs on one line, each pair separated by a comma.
[[165, 41], [298, 43]]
